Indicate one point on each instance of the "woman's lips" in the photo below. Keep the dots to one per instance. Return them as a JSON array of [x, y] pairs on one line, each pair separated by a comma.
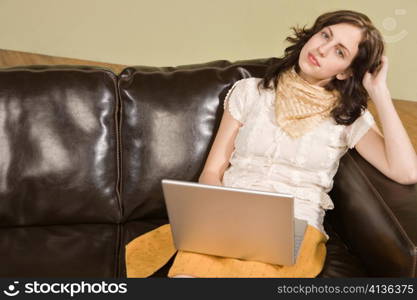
[[313, 60]]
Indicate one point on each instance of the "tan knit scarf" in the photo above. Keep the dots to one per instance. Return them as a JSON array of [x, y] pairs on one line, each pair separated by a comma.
[[299, 105]]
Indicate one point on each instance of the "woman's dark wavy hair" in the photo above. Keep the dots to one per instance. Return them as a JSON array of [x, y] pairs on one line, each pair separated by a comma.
[[354, 96]]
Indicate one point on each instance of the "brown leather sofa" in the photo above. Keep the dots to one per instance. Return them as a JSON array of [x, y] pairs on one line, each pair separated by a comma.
[[82, 153]]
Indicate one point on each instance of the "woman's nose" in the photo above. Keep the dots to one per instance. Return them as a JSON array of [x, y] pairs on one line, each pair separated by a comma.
[[323, 49]]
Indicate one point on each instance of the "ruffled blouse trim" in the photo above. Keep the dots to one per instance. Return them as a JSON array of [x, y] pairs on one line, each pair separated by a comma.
[[233, 110]]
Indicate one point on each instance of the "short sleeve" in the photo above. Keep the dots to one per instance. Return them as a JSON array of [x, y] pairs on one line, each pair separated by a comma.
[[236, 100], [357, 129]]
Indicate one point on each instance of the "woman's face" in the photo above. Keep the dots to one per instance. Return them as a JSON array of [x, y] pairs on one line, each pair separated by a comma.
[[329, 53]]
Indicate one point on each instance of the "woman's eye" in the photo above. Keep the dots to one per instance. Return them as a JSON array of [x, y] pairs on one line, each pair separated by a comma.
[[325, 35], [340, 53]]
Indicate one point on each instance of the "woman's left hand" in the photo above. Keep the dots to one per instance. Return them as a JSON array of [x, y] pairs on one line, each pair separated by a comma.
[[376, 83]]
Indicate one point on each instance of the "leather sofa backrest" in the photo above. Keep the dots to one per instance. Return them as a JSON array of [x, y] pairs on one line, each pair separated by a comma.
[[58, 152], [168, 120]]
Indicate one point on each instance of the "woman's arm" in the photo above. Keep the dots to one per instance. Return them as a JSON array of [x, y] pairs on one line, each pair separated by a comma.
[[221, 150], [392, 154]]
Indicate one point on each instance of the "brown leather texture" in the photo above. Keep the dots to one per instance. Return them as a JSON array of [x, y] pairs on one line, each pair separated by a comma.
[[169, 119], [83, 151], [376, 217], [58, 146]]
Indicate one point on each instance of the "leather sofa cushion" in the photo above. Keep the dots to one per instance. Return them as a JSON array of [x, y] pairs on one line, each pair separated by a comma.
[[83, 250]]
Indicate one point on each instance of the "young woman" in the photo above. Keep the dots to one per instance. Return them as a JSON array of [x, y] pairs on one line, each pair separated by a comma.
[[286, 132]]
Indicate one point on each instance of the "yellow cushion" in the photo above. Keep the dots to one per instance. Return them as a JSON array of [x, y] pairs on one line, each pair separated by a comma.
[[309, 262], [149, 252]]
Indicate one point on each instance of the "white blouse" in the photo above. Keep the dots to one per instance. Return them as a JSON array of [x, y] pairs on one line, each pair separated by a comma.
[[265, 158]]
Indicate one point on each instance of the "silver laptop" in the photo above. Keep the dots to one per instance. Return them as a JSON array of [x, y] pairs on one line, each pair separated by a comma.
[[232, 222]]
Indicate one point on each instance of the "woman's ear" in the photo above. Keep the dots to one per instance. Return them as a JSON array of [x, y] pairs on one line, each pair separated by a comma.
[[344, 75]]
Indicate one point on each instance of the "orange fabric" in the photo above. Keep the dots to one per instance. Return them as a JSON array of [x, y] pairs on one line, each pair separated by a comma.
[[149, 252], [309, 262]]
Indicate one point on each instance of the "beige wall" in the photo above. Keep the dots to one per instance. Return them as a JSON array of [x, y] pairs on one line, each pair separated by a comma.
[[176, 32]]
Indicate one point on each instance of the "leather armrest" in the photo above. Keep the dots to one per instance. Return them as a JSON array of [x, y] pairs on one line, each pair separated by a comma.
[[376, 217]]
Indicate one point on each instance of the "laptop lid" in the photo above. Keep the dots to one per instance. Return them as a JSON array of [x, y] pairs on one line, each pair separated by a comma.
[[232, 222]]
